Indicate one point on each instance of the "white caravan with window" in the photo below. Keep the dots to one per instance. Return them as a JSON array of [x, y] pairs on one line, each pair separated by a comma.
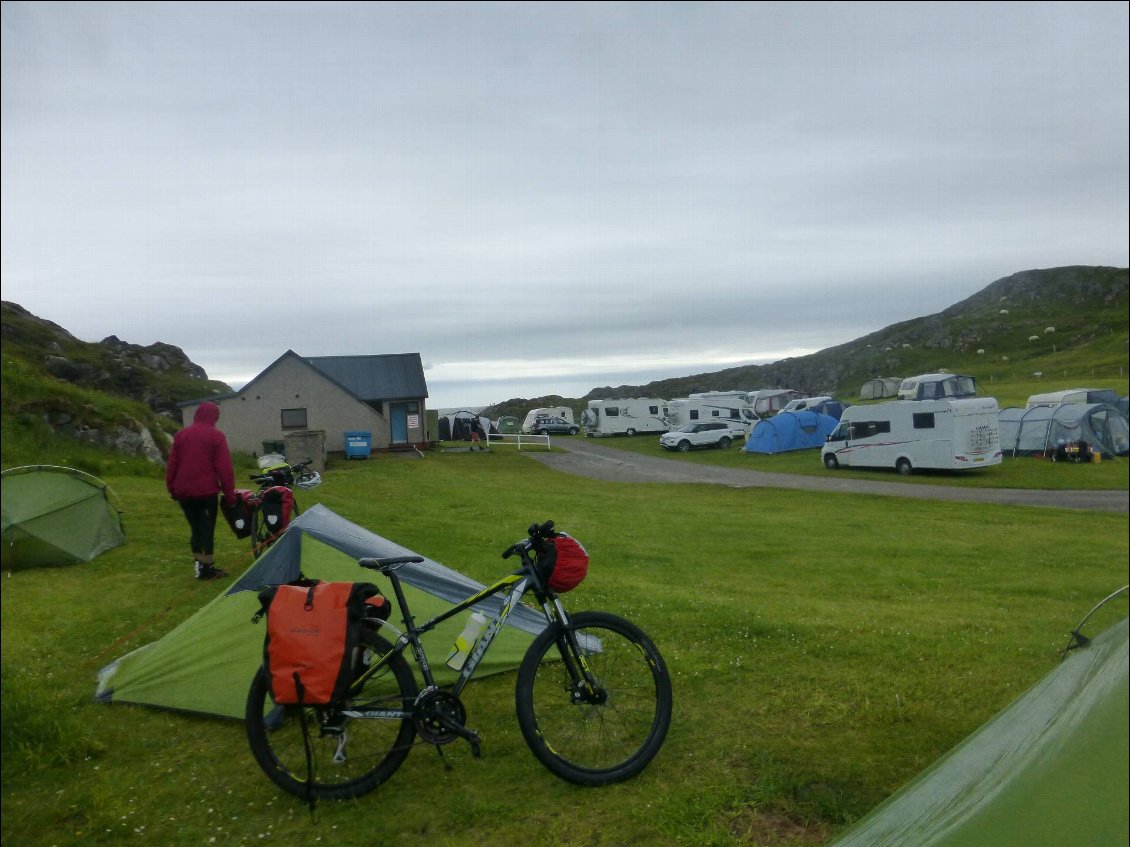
[[535, 415], [734, 407], [624, 417], [910, 434]]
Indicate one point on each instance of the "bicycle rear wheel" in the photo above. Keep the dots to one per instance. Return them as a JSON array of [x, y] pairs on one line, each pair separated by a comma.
[[602, 738], [349, 756]]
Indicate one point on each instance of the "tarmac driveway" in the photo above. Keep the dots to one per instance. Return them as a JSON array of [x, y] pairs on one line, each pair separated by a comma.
[[587, 458]]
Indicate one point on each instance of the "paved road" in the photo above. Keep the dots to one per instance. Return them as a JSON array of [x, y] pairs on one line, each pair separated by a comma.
[[589, 458]]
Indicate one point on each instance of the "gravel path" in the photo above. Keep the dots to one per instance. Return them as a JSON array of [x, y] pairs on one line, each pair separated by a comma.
[[588, 458]]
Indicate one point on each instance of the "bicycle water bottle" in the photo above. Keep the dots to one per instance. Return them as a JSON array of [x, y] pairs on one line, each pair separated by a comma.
[[465, 643]]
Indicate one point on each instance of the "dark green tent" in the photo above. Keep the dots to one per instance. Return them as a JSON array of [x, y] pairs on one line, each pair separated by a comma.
[[206, 664], [1050, 770], [56, 516]]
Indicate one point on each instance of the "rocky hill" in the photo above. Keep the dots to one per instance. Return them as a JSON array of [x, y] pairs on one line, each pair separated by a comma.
[[1080, 302], [158, 375], [111, 394]]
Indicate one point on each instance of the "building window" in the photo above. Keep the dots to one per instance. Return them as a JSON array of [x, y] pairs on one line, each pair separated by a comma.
[[294, 419]]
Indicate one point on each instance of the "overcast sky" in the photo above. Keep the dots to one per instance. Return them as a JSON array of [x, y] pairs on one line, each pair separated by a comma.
[[548, 197]]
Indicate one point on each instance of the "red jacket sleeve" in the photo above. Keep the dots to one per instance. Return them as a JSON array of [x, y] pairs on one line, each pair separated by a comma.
[[171, 467], [225, 474]]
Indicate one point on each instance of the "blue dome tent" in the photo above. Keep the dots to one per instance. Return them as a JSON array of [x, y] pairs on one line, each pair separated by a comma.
[[789, 431]]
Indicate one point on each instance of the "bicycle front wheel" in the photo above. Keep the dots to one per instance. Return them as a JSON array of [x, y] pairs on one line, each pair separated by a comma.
[[348, 755], [602, 735]]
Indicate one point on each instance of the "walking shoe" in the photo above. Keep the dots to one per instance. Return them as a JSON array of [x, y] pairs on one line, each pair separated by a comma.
[[206, 572]]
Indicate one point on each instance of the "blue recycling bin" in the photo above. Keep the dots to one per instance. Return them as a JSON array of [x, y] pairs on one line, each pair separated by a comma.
[[358, 445]]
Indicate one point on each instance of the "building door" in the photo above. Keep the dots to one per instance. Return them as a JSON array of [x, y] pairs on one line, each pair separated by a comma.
[[398, 418]]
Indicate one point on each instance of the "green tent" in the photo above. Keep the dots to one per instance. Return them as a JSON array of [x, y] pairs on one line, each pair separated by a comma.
[[1051, 769], [206, 664], [56, 516]]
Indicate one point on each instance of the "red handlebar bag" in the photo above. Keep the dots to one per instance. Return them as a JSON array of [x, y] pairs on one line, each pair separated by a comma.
[[569, 563], [313, 629]]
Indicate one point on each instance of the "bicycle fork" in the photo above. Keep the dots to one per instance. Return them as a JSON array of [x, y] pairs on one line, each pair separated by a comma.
[[586, 690]]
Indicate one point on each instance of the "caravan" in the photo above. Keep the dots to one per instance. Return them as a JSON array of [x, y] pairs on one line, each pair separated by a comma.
[[910, 434], [733, 407], [624, 417], [937, 386], [769, 401], [535, 416]]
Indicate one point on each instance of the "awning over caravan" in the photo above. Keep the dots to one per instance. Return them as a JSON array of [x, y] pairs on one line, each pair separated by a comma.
[[56, 516], [1049, 769], [206, 664], [1037, 430]]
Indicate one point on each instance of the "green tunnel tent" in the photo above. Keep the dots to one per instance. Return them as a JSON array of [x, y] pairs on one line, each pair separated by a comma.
[[1051, 769], [206, 663], [53, 515]]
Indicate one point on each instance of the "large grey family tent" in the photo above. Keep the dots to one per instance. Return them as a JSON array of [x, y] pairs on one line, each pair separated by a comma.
[[457, 426], [1049, 770], [789, 431], [56, 516], [1037, 430], [206, 664], [880, 387]]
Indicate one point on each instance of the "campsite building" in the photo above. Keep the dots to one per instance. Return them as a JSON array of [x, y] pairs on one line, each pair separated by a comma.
[[327, 397]]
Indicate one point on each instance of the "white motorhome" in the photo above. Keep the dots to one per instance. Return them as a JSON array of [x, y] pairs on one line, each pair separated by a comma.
[[534, 415], [624, 417], [733, 407], [910, 434]]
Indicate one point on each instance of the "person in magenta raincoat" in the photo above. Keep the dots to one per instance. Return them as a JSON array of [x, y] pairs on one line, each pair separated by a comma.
[[198, 472]]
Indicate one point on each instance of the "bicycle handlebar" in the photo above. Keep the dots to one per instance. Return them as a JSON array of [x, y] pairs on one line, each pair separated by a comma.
[[279, 476], [537, 533]]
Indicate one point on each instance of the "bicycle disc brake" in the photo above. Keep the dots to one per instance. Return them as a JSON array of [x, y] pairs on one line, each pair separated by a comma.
[[440, 716]]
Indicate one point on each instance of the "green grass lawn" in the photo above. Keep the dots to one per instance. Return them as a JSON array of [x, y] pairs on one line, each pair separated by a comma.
[[824, 648]]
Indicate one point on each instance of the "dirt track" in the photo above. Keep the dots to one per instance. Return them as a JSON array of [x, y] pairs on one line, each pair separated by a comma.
[[587, 458]]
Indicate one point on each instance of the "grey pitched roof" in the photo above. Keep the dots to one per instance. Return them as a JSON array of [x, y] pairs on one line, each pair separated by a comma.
[[393, 376]]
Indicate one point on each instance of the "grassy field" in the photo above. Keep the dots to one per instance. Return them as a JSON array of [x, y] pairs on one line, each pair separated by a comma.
[[824, 648]]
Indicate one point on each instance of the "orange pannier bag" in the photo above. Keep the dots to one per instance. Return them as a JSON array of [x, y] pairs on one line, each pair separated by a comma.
[[313, 629]]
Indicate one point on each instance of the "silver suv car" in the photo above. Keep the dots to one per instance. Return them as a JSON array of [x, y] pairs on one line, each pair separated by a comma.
[[544, 426], [705, 434]]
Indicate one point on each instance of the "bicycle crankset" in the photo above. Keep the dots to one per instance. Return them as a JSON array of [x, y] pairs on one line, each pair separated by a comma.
[[440, 716]]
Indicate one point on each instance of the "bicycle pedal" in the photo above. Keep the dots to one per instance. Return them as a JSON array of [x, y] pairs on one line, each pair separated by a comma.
[[476, 745]]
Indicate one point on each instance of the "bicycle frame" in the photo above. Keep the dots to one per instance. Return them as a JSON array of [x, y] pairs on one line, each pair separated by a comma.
[[515, 586]]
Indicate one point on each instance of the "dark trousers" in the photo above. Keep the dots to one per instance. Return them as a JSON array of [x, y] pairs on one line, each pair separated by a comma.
[[200, 512]]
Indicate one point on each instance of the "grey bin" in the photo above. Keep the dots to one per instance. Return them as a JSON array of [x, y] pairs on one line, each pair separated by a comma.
[[358, 445]]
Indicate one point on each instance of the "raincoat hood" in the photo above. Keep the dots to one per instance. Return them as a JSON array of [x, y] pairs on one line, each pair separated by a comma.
[[206, 413]]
